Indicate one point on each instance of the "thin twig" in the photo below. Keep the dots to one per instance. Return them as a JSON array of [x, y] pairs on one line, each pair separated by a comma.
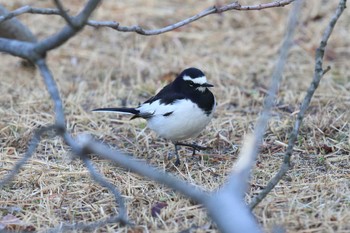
[[64, 13], [102, 181], [211, 10], [318, 74], [29, 9], [140, 30], [33, 144], [91, 226]]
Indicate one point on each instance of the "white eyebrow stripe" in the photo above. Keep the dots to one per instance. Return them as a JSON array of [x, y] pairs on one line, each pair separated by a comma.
[[199, 80]]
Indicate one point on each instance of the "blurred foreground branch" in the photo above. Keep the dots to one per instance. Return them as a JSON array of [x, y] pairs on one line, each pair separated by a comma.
[[238, 180], [254, 143], [318, 74], [13, 28]]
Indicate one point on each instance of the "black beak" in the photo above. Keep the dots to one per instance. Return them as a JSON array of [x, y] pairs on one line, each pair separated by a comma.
[[207, 85]]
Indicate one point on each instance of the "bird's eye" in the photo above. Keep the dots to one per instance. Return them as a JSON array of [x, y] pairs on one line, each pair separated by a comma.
[[191, 84]]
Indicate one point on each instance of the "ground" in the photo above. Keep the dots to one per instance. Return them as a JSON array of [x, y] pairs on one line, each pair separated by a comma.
[[237, 51]]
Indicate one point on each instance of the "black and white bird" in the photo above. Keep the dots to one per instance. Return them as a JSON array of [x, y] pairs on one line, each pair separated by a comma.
[[181, 110]]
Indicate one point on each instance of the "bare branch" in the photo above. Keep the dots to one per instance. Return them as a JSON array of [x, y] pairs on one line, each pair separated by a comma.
[[251, 147], [230, 213], [141, 168], [29, 9], [18, 48], [222, 206], [54, 93], [14, 29], [138, 29], [33, 144], [263, 5], [208, 11], [102, 181], [37, 51], [67, 32], [318, 74], [63, 13], [63, 227]]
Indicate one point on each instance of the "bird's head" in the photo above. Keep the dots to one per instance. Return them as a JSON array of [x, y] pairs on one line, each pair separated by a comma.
[[193, 79]]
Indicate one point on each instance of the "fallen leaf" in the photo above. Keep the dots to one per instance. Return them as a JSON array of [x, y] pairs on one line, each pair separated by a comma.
[[12, 223], [155, 210], [136, 230], [327, 149]]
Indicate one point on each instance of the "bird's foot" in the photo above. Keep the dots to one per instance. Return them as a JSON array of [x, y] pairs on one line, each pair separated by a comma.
[[171, 155], [195, 147], [177, 162]]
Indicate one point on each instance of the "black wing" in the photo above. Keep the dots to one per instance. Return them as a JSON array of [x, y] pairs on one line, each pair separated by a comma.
[[167, 95]]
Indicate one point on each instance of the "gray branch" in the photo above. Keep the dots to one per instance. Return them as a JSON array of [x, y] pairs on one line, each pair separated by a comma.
[[55, 95], [318, 74], [141, 168], [37, 51], [247, 161], [13, 28], [138, 29], [67, 32], [101, 180], [223, 208], [33, 144], [64, 227], [28, 9], [64, 14], [206, 12], [226, 208]]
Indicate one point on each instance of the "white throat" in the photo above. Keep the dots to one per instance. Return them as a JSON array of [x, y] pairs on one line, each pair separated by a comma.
[[201, 89]]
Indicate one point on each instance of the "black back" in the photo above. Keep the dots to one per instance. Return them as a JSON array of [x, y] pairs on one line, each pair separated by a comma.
[[182, 89]]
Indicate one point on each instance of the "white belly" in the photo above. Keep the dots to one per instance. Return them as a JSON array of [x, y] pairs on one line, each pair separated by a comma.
[[185, 121]]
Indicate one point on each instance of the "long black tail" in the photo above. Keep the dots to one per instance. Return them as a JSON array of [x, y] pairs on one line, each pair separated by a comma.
[[120, 110]]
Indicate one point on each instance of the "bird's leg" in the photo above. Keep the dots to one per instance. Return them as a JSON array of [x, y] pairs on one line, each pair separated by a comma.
[[195, 147], [177, 162]]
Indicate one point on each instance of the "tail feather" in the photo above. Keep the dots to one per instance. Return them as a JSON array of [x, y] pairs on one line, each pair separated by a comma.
[[120, 110]]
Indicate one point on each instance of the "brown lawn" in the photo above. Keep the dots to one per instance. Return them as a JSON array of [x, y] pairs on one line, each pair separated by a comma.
[[237, 50]]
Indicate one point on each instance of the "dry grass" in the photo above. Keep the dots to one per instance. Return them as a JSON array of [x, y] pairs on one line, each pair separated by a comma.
[[237, 50]]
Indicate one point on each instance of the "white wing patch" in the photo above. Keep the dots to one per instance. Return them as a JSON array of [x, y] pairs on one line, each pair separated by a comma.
[[199, 80], [155, 108]]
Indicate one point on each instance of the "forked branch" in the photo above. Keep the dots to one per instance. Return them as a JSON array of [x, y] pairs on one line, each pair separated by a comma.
[[231, 194]]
